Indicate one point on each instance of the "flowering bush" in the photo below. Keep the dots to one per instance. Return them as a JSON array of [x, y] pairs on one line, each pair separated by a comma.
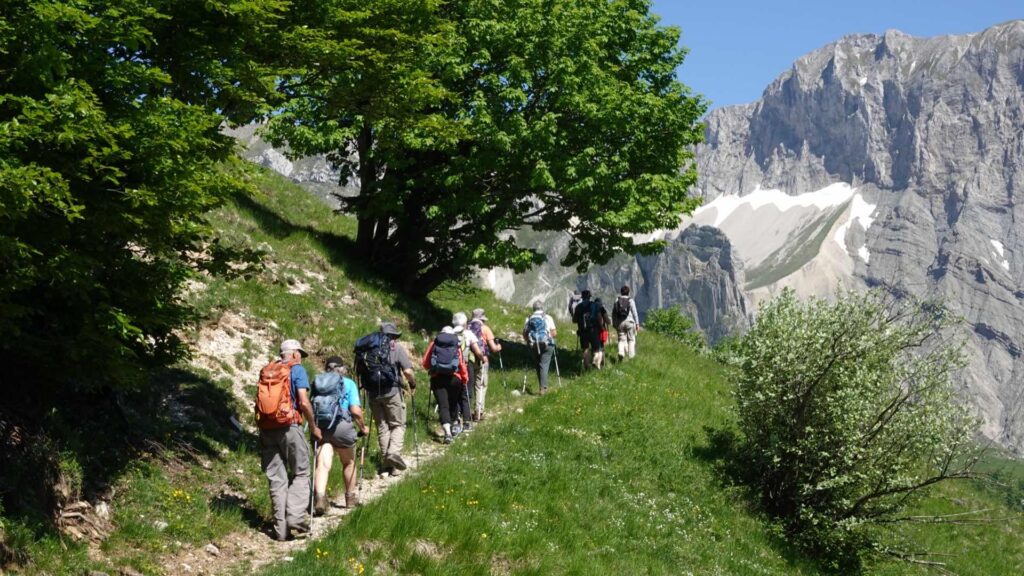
[[848, 414]]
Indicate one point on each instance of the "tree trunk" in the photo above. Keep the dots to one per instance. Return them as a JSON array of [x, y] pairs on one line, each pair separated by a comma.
[[367, 188]]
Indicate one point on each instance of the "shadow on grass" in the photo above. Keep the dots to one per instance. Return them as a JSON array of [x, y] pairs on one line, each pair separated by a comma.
[[723, 451], [88, 440], [422, 313]]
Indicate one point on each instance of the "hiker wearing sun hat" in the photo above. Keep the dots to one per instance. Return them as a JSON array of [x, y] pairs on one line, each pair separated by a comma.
[[282, 399], [478, 327], [386, 397]]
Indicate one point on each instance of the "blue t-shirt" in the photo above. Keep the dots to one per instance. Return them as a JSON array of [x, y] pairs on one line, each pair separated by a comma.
[[300, 381], [349, 394]]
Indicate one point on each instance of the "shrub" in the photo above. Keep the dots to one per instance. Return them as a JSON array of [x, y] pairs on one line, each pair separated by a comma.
[[848, 415], [672, 323]]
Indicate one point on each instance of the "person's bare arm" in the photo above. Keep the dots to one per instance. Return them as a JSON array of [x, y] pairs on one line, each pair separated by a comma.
[[475, 347], [357, 417], [307, 410]]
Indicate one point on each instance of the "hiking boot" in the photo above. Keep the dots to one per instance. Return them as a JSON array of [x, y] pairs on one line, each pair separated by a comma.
[[456, 428], [298, 533], [448, 439], [476, 416], [351, 500], [397, 462], [320, 505], [468, 427]]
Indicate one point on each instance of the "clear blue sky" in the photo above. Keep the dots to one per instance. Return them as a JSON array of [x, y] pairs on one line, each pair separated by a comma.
[[737, 47]]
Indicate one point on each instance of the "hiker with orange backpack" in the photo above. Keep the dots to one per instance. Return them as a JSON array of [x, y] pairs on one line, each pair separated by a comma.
[[282, 399]]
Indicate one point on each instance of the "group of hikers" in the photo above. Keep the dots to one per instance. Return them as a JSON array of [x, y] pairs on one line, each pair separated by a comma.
[[458, 364]]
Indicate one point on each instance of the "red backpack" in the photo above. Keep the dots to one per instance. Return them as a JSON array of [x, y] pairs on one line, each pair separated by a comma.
[[274, 408]]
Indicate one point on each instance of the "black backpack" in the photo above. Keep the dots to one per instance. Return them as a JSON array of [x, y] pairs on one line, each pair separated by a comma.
[[620, 311], [444, 356], [588, 311], [377, 374]]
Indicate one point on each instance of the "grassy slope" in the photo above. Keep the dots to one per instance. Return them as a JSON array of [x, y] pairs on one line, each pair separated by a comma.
[[612, 473], [609, 474]]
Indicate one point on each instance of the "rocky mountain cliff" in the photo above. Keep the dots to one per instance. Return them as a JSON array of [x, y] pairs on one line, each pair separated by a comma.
[[887, 161]]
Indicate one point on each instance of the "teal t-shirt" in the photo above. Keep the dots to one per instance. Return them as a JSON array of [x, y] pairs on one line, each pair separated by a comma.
[[349, 394]]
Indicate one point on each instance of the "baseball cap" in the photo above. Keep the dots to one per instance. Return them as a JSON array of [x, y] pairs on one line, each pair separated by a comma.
[[478, 314], [447, 330], [291, 346], [390, 329]]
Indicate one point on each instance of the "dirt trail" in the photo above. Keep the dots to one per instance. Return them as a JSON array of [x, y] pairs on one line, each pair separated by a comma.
[[247, 550]]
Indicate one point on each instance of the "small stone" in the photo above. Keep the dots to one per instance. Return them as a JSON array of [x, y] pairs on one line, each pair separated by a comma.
[[103, 510], [287, 559], [519, 410], [97, 573], [212, 549], [516, 393], [129, 571], [160, 525]]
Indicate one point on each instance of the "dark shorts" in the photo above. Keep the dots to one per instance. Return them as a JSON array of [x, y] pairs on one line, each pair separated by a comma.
[[591, 340], [343, 435]]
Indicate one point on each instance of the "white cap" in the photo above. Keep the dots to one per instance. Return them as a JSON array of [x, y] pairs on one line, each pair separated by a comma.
[[447, 330], [291, 346]]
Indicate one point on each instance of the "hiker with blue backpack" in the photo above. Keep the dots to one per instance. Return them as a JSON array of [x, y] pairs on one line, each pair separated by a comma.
[[539, 333], [446, 365], [339, 415], [380, 365]]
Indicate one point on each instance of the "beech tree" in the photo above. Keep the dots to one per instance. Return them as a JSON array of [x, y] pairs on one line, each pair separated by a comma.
[[110, 115], [465, 121]]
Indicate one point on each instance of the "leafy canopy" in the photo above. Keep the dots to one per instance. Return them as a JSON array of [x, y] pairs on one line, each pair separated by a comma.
[[465, 121], [110, 114]]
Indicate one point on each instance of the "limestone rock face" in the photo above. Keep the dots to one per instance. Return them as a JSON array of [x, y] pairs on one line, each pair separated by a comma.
[[932, 129], [697, 272]]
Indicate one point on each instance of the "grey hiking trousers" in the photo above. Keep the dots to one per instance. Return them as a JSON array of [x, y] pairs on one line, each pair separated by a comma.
[[285, 449]]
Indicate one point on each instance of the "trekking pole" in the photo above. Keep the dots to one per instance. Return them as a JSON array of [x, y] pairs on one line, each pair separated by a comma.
[[312, 480], [524, 383], [558, 372], [415, 444], [501, 364]]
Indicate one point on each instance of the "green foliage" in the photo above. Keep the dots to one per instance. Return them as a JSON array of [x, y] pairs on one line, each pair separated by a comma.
[[848, 415], [110, 114], [673, 323], [491, 116]]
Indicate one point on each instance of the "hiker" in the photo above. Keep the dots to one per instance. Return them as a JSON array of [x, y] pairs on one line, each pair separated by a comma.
[[475, 361], [282, 399], [539, 333], [601, 324], [488, 344], [446, 365], [586, 318], [574, 300], [339, 415], [380, 364], [626, 322]]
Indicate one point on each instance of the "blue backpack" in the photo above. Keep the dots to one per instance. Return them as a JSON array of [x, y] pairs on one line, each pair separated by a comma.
[[377, 374], [444, 356], [326, 395], [537, 332]]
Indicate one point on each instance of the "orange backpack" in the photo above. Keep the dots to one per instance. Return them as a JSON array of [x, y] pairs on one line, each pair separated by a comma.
[[274, 407]]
